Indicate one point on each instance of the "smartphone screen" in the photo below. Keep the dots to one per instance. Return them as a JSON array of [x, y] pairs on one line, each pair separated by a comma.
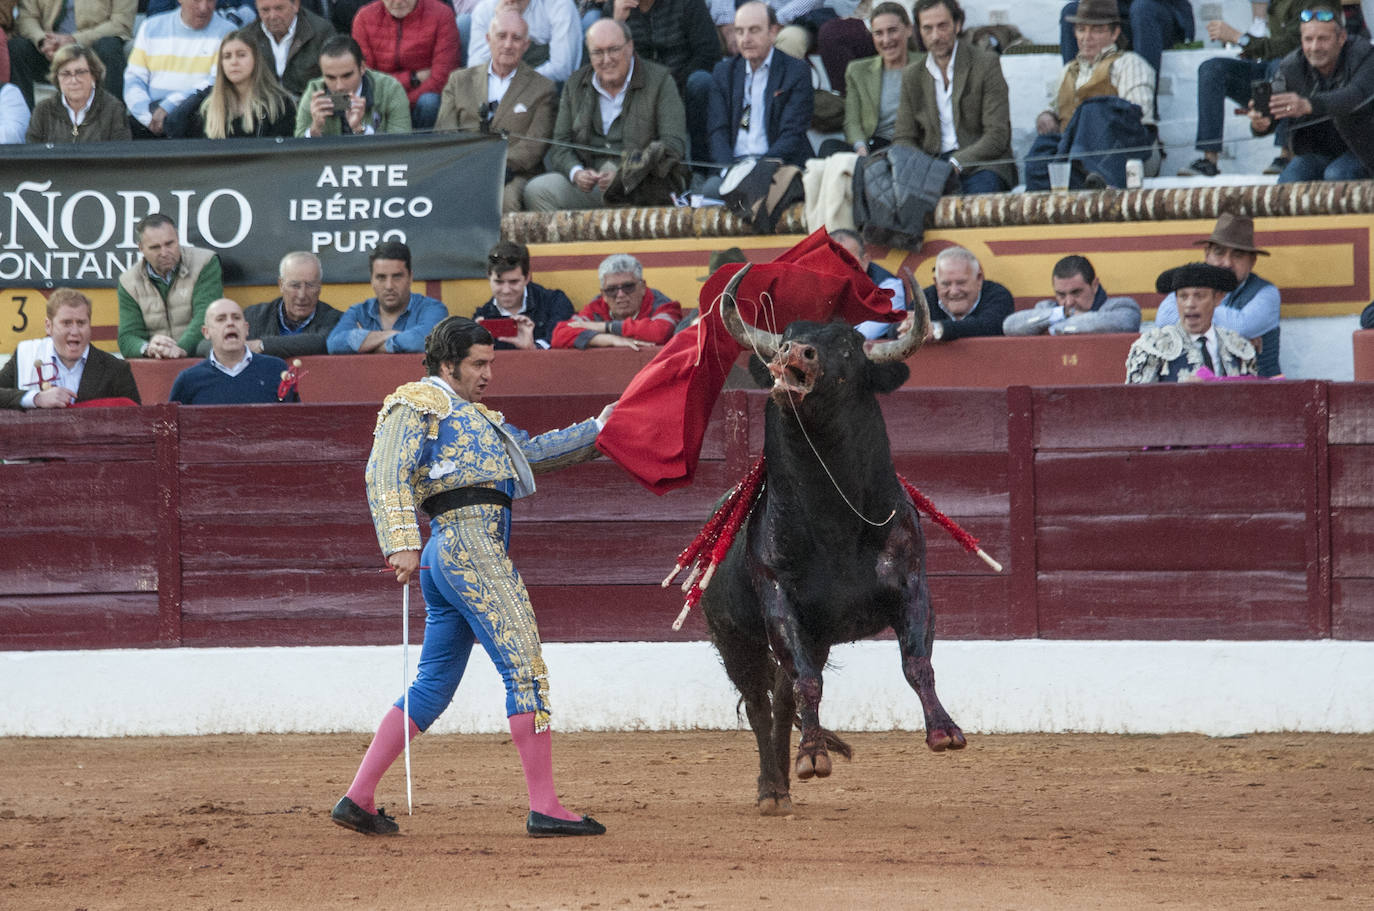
[[499, 326]]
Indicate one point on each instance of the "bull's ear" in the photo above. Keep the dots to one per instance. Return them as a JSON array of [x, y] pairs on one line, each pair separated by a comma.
[[758, 371], [887, 376]]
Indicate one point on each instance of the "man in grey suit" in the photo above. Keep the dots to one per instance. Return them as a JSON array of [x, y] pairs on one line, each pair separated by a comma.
[[63, 368], [954, 102], [504, 94], [1080, 304]]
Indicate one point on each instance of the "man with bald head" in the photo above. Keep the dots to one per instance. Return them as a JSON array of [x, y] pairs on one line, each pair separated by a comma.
[[297, 323], [616, 104], [504, 95], [232, 374]]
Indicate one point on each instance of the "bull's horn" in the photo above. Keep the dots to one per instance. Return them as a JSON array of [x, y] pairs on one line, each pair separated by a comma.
[[761, 342], [919, 317]]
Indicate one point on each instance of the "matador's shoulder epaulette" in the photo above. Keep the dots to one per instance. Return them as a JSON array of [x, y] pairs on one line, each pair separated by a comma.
[[425, 398]]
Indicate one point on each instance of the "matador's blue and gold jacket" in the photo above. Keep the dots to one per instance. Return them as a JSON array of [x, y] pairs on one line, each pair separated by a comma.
[[429, 440]]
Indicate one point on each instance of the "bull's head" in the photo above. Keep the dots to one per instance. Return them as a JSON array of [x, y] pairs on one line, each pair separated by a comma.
[[796, 361]]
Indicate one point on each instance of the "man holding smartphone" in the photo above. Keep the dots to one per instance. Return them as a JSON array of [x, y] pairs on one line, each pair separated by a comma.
[[350, 99], [520, 314], [1329, 82]]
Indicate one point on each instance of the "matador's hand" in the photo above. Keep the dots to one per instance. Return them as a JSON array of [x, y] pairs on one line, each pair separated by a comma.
[[406, 563]]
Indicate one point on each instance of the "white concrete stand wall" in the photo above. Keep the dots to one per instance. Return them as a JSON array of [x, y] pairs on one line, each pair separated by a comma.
[[1213, 687]]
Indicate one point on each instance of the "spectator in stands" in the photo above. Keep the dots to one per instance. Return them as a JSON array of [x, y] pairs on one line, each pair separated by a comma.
[[1080, 305], [163, 296], [14, 115], [62, 368], [680, 35], [628, 314], [616, 104], [237, 13], [723, 15], [1252, 309], [377, 102], [43, 27], [846, 38], [873, 85], [555, 35], [232, 374], [534, 308], [954, 102], [760, 101], [174, 56], [1103, 108], [852, 242], [394, 321], [291, 38], [81, 111], [1367, 316], [297, 323], [962, 303], [1330, 82], [416, 43], [1220, 78], [504, 94], [245, 100], [1177, 352], [1148, 27]]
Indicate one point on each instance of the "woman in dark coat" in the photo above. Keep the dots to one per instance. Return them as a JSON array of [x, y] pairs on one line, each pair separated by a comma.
[[78, 72], [245, 99]]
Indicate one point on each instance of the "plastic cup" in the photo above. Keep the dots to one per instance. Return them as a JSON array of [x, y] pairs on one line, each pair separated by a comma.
[[1059, 176]]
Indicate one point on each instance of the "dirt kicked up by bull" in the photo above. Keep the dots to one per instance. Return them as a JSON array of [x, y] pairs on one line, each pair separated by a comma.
[[832, 551]]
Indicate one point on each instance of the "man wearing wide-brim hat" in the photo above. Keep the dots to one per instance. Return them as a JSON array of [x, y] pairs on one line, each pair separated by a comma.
[[1253, 308], [1148, 26], [1179, 352], [1105, 106]]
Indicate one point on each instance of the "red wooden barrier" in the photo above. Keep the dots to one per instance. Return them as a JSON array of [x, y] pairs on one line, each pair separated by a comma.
[[978, 362], [1236, 511]]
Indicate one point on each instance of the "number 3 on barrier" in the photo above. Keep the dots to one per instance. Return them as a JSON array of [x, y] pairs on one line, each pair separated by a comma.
[[20, 300]]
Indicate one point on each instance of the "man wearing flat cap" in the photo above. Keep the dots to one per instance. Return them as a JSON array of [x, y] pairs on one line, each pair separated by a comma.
[[1177, 352], [1253, 308]]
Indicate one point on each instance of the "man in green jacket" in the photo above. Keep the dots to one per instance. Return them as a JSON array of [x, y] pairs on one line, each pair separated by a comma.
[[163, 296], [643, 105], [377, 102]]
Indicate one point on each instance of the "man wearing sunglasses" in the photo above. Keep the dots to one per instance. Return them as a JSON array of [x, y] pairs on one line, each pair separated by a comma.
[[1328, 107], [628, 314], [1226, 77]]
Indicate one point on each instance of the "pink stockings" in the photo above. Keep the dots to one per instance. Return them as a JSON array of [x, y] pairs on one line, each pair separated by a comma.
[[536, 757]]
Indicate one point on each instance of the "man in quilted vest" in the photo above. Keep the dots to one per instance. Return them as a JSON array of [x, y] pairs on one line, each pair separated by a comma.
[[163, 296]]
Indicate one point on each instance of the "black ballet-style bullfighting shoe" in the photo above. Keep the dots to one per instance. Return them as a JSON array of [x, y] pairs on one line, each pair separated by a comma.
[[540, 826], [351, 816]]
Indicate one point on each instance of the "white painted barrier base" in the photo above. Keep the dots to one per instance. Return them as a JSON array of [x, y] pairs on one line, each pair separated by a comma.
[[1214, 687]]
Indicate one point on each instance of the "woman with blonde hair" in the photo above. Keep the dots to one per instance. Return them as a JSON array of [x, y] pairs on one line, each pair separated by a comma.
[[81, 111], [245, 99]]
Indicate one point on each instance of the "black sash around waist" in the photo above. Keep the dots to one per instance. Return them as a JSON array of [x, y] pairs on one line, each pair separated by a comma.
[[450, 500]]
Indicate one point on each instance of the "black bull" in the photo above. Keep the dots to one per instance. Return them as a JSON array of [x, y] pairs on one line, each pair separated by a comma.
[[833, 550]]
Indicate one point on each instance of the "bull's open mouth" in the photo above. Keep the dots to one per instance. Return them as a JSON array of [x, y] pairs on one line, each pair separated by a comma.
[[792, 380]]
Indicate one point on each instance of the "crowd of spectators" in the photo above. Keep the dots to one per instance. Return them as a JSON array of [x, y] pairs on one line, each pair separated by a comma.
[[580, 88]]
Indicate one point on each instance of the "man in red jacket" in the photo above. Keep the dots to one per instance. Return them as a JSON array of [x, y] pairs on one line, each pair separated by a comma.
[[416, 43], [628, 314]]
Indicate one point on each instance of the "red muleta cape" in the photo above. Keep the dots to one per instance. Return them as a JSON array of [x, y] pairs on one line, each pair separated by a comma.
[[656, 429]]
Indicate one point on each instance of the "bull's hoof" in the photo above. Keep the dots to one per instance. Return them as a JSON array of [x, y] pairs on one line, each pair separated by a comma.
[[941, 739], [775, 806], [812, 760]]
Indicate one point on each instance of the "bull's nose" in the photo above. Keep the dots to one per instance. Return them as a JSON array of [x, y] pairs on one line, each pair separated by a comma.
[[805, 352]]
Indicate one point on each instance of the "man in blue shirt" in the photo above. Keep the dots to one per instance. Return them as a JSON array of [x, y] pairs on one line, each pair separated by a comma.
[[395, 320], [232, 374]]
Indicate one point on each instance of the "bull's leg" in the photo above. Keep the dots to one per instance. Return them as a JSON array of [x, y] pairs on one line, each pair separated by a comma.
[[916, 636], [802, 664], [784, 710], [752, 670]]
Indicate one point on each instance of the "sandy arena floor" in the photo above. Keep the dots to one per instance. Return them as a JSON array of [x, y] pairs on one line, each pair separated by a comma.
[[1014, 822]]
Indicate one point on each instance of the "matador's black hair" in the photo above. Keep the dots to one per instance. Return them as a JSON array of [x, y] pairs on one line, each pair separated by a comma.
[[448, 342]]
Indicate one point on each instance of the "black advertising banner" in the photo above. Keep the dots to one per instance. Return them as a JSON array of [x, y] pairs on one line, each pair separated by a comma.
[[67, 213]]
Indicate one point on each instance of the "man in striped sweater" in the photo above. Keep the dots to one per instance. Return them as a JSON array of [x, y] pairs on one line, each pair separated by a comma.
[[173, 57]]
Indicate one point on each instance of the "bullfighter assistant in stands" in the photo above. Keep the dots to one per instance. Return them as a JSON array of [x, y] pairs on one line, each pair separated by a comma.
[[437, 447]]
